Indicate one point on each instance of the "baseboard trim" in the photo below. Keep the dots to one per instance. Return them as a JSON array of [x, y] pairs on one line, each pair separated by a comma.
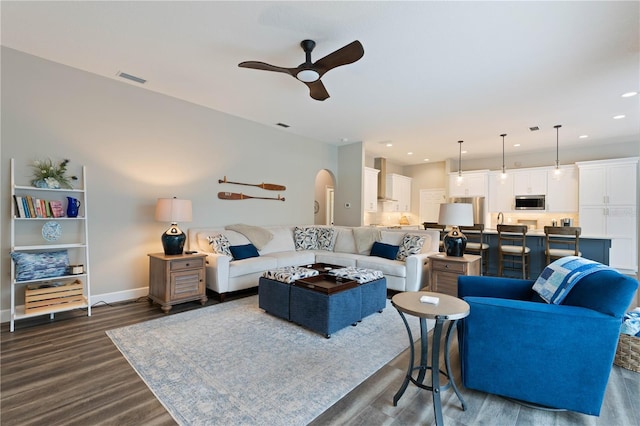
[[113, 297]]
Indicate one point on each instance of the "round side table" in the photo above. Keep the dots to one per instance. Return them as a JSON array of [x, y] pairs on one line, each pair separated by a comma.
[[449, 309]]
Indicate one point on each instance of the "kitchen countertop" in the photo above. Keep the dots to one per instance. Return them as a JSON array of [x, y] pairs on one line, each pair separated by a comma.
[[540, 233]]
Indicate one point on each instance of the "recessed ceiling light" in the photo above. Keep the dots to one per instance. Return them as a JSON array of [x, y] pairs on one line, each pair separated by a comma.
[[426, 159], [389, 144], [464, 152], [629, 94], [618, 117], [516, 144], [583, 136], [409, 153]]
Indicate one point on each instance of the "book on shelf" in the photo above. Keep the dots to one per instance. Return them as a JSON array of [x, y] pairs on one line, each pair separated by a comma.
[[19, 206], [25, 207], [31, 207], [37, 207], [56, 208]]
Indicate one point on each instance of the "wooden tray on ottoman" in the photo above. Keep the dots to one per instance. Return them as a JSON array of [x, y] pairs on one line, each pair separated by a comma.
[[327, 284]]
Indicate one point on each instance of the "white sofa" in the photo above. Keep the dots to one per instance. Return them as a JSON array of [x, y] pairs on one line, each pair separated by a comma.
[[226, 275]]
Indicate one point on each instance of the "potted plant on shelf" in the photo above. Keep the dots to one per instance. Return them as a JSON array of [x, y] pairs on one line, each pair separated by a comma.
[[47, 174]]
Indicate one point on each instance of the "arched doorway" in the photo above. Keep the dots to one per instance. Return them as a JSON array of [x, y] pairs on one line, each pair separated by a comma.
[[323, 199]]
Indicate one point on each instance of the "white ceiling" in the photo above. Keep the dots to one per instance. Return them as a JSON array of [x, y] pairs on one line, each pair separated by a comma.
[[433, 73]]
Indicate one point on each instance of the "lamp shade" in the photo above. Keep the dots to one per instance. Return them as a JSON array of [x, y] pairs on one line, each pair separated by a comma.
[[173, 210], [456, 214]]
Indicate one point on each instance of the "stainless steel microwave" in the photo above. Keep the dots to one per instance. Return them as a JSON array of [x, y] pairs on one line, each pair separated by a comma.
[[530, 202]]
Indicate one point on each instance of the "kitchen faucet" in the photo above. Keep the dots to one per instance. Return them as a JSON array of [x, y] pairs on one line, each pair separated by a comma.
[[500, 218]]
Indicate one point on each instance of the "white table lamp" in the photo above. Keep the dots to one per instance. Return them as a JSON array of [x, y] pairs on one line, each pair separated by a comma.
[[454, 215], [173, 210]]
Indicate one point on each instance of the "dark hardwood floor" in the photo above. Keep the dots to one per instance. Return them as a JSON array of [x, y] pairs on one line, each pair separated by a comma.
[[68, 372]]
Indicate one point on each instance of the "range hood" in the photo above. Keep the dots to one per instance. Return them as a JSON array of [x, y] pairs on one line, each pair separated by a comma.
[[380, 163]]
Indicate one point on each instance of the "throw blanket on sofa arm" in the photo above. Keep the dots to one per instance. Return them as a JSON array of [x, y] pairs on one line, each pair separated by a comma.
[[258, 236], [560, 276]]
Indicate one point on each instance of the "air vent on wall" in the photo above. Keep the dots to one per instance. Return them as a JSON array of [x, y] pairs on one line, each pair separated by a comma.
[[131, 77], [534, 128], [283, 125]]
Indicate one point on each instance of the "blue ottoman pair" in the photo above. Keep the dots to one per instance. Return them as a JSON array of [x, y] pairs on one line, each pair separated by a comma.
[[316, 308]]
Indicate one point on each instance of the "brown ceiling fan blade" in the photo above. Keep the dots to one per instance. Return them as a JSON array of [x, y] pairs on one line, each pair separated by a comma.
[[317, 90], [343, 56], [266, 67]]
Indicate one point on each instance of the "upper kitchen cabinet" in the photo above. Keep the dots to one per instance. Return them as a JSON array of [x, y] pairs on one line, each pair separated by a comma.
[[398, 189], [530, 182], [370, 189], [608, 181], [607, 207], [562, 189], [500, 192], [472, 184]]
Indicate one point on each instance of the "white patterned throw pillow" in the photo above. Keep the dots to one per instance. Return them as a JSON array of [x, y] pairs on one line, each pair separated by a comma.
[[220, 244], [325, 238], [306, 238], [411, 244]]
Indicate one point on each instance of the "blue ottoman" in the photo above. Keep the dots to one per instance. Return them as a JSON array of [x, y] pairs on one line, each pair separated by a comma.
[[323, 312], [274, 289], [373, 286]]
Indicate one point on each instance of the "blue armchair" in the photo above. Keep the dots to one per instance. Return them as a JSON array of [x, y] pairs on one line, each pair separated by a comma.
[[516, 345]]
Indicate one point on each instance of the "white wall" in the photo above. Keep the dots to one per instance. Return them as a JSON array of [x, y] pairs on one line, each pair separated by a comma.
[[139, 145]]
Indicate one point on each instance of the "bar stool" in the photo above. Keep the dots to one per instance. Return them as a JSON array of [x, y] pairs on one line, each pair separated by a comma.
[[512, 247], [436, 225], [564, 236], [476, 244]]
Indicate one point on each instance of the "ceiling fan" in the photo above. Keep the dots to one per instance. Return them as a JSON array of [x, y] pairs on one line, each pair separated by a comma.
[[310, 72]]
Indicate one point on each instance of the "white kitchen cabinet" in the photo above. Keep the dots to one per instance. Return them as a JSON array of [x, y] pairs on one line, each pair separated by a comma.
[[500, 192], [607, 207], [370, 189], [472, 184], [399, 189], [562, 190], [530, 182]]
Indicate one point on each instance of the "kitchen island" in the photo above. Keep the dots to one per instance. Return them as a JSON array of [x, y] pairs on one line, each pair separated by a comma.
[[594, 248]]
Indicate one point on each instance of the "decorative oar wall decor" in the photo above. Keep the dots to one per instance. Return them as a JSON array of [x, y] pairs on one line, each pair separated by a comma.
[[241, 196], [267, 186]]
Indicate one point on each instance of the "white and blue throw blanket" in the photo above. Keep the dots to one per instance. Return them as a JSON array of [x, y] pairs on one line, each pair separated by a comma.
[[559, 277], [631, 323]]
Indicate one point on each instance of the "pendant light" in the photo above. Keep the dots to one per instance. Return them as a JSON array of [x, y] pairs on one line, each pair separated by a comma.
[[460, 163], [557, 170], [503, 175]]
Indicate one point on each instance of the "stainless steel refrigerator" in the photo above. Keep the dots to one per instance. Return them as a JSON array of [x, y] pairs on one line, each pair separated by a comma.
[[478, 207]]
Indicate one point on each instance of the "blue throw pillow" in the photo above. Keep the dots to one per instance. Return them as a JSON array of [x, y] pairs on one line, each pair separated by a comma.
[[244, 252], [386, 251], [35, 266]]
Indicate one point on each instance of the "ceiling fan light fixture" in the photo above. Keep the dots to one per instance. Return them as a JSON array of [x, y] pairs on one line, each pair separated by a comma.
[[307, 76]]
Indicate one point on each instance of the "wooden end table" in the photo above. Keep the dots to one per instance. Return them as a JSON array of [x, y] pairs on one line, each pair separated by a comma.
[[445, 271], [177, 279]]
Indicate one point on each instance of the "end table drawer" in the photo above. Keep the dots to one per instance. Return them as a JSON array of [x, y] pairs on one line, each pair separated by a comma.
[[456, 267], [177, 265]]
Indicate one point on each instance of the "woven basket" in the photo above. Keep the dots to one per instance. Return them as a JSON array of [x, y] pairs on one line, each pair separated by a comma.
[[628, 353]]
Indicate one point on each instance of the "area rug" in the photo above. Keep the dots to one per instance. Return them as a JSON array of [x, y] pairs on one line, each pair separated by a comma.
[[233, 364]]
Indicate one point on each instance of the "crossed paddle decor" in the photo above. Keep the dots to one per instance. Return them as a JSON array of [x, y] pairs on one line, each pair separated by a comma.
[[241, 196]]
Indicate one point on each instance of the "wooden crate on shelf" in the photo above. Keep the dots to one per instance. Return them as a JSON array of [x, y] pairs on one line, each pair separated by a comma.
[[53, 296]]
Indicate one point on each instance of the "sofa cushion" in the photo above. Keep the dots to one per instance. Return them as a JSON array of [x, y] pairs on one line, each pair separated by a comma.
[[345, 242], [244, 251], [341, 259], [282, 240], [220, 244], [251, 265], [383, 250], [306, 238], [365, 237], [411, 244], [289, 274], [257, 235], [293, 258], [388, 267]]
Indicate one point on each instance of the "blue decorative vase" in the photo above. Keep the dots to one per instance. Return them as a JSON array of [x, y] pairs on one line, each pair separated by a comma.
[[73, 205]]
